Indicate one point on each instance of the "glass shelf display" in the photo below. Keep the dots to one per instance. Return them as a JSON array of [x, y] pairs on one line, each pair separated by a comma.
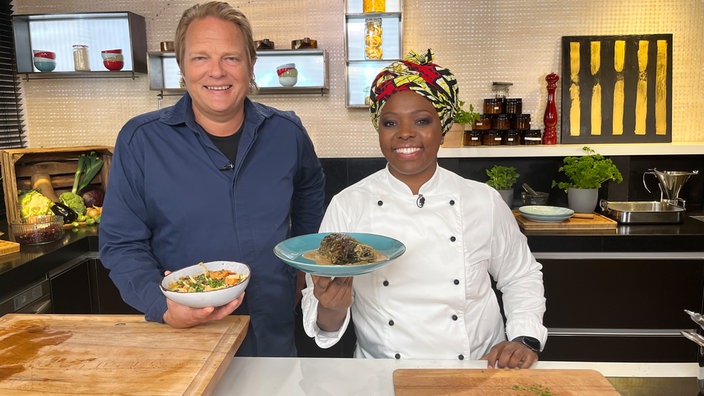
[[372, 41], [59, 33], [311, 65]]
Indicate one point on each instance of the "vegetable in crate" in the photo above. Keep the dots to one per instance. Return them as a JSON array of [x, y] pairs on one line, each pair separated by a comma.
[[88, 166], [342, 249], [33, 203]]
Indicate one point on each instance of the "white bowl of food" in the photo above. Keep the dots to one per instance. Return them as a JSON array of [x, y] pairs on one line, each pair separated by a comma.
[[210, 284]]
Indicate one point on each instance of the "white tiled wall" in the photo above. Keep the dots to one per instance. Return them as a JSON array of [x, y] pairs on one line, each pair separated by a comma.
[[479, 40]]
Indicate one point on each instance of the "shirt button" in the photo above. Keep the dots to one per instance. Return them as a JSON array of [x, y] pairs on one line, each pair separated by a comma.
[[454, 317], [452, 202], [453, 239], [385, 283], [391, 322], [397, 356], [380, 203], [456, 281], [460, 357]]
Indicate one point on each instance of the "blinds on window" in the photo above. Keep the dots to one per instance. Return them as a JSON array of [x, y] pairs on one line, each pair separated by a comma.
[[12, 134]]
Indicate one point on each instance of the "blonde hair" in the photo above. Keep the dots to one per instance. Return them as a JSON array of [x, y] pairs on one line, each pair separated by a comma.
[[226, 12]]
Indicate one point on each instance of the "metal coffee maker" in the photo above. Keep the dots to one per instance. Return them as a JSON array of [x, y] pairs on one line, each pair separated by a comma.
[[670, 183]]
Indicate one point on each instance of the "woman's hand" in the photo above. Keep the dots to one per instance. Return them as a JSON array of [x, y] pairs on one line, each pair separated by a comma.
[[509, 354], [334, 299], [180, 316]]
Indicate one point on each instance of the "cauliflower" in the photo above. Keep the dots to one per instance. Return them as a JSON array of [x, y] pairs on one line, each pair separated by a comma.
[[73, 201], [33, 203]]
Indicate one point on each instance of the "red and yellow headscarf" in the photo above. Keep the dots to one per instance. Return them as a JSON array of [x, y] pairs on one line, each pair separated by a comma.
[[417, 73]]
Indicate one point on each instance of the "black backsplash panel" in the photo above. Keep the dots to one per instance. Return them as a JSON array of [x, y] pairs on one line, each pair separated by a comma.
[[539, 172]]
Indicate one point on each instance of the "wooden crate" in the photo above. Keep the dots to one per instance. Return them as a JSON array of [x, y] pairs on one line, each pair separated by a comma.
[[60, 163]]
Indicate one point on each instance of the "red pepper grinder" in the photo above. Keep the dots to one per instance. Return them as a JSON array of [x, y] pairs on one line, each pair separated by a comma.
[[550, 118]]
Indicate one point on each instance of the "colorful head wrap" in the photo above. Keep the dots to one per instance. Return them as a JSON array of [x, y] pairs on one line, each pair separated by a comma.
[[417, 73]]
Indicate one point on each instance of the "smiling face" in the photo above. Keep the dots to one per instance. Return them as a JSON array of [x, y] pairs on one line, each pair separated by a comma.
[[410, 135], [217, 73]]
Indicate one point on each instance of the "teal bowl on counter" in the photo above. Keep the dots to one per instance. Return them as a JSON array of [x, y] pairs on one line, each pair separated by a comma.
[[45, 65]]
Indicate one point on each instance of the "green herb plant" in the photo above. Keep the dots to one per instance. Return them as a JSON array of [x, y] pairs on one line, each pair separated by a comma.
[[588, 171], [465, 117], [502, 177]]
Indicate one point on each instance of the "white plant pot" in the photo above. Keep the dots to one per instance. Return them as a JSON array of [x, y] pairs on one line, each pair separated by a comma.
[[507, 195], [582, 200]]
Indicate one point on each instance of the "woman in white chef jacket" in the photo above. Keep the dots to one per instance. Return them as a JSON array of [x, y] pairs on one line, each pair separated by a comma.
[[436, 300]]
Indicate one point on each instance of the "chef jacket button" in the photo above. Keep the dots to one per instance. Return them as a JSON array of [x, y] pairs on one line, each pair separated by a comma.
[[452, 239], [397, 356], [391, 322], [456, 281], [380, 203], [452, 202], [454, 317], [460, 357], [385, 283]]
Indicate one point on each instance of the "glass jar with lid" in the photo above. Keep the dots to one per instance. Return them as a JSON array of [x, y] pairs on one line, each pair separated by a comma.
[[491, 137], [372, 39], [473, 137], [80, 58], [522, 121], [532, 136], [512, 137], [501, 122], [514, 105], [493, 106]]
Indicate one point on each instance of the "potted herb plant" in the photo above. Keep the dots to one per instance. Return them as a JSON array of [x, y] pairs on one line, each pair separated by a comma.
[[585, 174], [455, 136], [503, 179]]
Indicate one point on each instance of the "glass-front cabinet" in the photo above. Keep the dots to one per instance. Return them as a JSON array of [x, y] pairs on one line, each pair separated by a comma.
[[101, 44], [275, 72], [373, 39]]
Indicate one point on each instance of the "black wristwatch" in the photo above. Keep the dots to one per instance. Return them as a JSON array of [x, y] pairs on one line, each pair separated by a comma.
[[530, 342]]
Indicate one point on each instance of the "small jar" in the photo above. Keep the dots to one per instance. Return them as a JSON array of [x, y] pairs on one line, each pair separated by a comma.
[[80, 58], [374, 5], [483, 123], [514, 105], [532, 136], [501, 122], [372, 39], [473, 137], [493, 106], [511, 137], [522, 121], [491, 137]]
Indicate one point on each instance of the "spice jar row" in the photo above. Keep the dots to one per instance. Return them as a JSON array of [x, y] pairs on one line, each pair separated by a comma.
[[501, 105], [502, 122], [495, 137]]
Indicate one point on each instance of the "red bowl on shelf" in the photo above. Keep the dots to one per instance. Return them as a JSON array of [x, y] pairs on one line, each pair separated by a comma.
[[113, 65]]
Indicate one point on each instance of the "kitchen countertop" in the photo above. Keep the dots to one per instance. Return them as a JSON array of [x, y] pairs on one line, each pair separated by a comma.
[[338, 376], [684, 238]]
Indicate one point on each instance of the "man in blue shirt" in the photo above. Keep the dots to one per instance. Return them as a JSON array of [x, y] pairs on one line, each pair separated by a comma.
[[214, 177]]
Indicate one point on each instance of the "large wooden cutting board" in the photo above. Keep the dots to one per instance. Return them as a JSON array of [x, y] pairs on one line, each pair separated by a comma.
[[497, 382], [113, 354], [596, 222]]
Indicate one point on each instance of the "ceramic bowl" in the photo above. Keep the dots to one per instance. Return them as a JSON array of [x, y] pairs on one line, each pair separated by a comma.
[[214, 298], [113, 65], [44, 54], [44, 64]]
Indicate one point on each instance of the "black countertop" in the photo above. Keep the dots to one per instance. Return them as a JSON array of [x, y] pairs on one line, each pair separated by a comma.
[[34, 261]]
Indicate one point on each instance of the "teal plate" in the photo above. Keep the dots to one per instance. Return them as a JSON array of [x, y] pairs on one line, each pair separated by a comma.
[[291, 252]]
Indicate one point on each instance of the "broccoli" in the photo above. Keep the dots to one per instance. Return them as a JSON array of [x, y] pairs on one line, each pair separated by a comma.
[[33, 203], [73, 201]]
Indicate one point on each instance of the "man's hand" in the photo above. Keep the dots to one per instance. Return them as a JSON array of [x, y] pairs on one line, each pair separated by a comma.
[[509, 354], [180, 316]]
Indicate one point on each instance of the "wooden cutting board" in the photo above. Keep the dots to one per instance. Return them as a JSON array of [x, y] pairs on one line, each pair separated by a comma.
[[597, 222], [113, 354], [497, 382]]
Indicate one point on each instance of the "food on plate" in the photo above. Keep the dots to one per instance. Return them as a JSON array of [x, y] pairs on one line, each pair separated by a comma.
[[342, 249], [207, 281]]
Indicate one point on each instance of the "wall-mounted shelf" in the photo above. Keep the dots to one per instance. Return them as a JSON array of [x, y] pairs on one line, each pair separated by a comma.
[[361, 70], [312, 66], [99, 31]]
